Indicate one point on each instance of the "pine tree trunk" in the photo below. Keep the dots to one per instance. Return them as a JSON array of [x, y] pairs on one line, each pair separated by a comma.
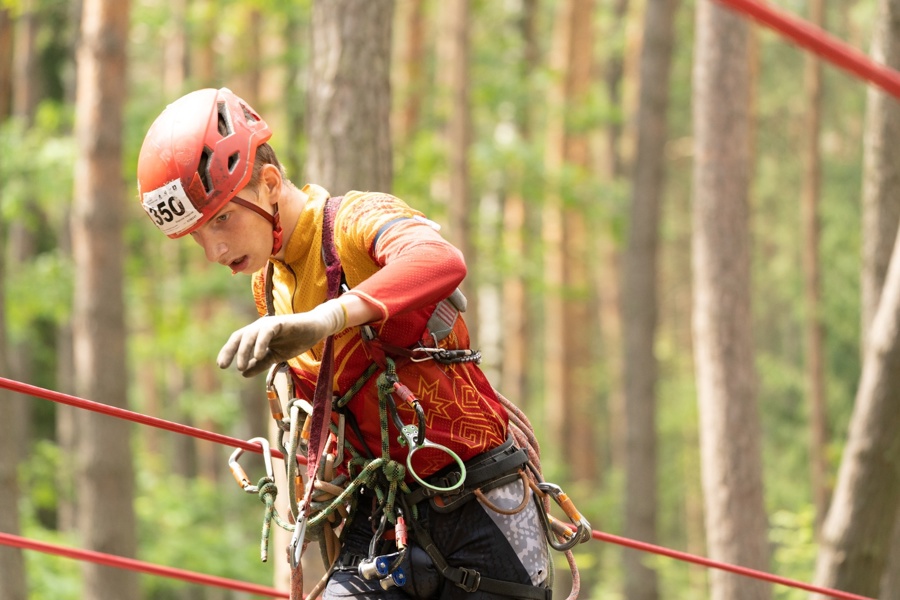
[[12, 562], [856, 535], [454, 86], [6, 64], [106, 519], [640, 298], [348, 124], [815, 369], [518, 343], [881, 209], [348, 121], [411, 70], [736, 525]]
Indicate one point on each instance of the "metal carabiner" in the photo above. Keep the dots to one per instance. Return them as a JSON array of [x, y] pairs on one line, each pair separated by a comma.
[[413, 436], [582, 532], [241, 476]]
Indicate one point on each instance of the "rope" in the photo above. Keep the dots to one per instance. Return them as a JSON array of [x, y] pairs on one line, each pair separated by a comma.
[[119, 562], [127, 415], [820, 42], [516, 419]]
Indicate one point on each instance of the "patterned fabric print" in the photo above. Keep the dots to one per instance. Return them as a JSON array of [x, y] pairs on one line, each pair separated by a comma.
[[405, 273], [523, 529]]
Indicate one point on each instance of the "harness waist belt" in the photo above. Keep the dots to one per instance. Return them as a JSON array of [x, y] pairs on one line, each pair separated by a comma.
[[485, 471]]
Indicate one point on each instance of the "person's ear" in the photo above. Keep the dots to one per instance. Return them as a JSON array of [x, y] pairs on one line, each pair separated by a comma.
[[271, 183]]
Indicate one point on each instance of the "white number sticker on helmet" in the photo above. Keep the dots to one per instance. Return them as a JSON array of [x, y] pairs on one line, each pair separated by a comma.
[[171, 209]]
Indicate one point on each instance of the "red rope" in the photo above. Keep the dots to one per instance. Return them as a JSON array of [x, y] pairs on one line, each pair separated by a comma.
[[820, 42], [111, 560], [712, 564], [121, 413], [229, 441]]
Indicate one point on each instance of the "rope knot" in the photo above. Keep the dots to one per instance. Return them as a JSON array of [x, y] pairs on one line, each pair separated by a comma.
[[394, 471], [267, 490]]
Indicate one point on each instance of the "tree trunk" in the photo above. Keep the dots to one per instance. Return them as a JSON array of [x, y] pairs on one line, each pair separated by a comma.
[[106, 519], [881, 204], [567, 318], [454, 87], [615, 68], [348, 119], [12, 562], [857, 531], [411, 80], [815, 369], [348, 122], [881, 209], [639, 297], [6, 62], [736, 525]]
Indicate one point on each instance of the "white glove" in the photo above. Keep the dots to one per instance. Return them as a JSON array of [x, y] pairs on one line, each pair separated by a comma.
[[273, 339]]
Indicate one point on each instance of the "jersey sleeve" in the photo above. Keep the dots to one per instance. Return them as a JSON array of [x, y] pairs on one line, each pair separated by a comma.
[[417, 267]]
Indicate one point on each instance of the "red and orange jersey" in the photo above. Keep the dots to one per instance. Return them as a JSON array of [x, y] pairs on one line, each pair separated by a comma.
[[394, 259]]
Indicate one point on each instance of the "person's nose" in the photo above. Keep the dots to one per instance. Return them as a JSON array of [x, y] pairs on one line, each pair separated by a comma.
[[214, 249]]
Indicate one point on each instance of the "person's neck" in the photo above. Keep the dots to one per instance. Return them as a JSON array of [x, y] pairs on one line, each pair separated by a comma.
[[290, 205]]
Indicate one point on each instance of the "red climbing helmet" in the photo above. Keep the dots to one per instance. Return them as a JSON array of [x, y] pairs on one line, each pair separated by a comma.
[[197, 154]]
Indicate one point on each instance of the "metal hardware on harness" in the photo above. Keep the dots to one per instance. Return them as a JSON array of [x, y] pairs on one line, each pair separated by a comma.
[[279, 388], [241, 476], [582, 532], [295, 548], [397, 578], [413, 437]]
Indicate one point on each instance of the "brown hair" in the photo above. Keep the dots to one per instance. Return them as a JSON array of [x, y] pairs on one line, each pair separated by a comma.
[[265, 155]]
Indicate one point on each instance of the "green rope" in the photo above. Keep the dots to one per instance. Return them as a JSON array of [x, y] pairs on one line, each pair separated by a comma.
[[267, 493]]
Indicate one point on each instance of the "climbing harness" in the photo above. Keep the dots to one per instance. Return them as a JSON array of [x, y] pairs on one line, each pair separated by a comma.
[[329, 499]]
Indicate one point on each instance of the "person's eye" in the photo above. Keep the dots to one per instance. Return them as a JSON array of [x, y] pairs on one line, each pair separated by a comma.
[[222, 218]]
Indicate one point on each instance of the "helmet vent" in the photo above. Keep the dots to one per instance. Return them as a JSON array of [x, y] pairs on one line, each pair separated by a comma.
[[248, 115], [225, 127], [233, 161], [203, 169]]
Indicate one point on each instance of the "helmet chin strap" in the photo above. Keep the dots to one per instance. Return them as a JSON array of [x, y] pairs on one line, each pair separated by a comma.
[[274, 220]]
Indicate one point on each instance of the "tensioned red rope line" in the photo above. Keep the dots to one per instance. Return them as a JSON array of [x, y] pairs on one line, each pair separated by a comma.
[[121, 413], [119, 562], [223, 439], [746, 572], [819, 41]]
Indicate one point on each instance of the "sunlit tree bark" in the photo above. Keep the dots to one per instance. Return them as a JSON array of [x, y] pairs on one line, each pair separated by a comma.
[[640, 298], [881, 214], [349, 131], [856, 534], [815, 370], [736, 524], [569, 324], [103, 462], [6, 54], [12, 562]]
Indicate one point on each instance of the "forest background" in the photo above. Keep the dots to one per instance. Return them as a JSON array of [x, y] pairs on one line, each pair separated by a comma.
[[570, 159]]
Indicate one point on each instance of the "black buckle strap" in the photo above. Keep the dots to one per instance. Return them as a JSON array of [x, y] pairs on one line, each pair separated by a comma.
[[470, 579]]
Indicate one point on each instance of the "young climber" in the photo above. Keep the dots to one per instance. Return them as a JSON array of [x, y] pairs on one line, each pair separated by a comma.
[[364, 289]]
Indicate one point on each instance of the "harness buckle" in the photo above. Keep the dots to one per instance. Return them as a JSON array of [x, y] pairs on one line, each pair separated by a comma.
[[470, 580]]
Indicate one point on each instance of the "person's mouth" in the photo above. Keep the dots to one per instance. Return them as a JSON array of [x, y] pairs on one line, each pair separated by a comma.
[[238, 265]]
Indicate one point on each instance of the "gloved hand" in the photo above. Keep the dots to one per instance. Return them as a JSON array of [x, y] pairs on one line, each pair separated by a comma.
[[273, 339]]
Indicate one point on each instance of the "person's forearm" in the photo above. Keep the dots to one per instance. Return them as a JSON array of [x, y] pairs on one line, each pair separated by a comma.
[[357, 311]]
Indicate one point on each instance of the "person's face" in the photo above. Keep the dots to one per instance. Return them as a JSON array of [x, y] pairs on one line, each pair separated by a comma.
[[237, 238]]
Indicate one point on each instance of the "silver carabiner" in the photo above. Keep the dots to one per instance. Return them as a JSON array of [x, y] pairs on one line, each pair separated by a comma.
[[582, 532], [241, 476]]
